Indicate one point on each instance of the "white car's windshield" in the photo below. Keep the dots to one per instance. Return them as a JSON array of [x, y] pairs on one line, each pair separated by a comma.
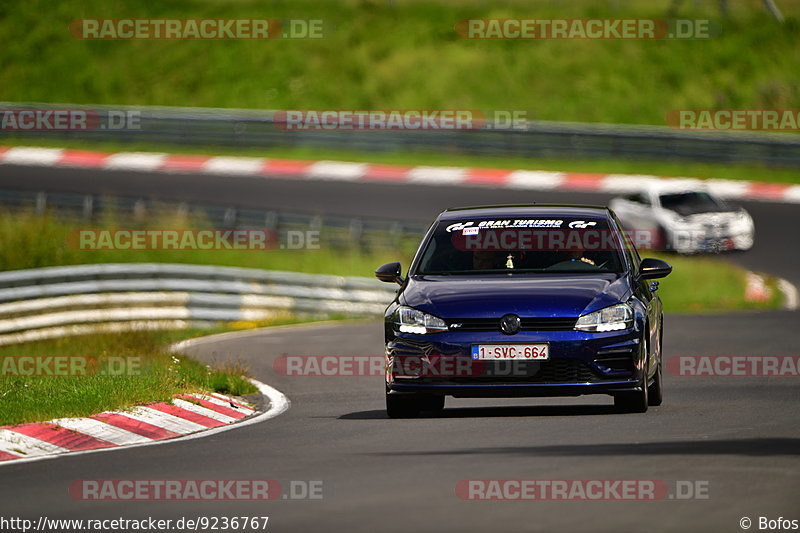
[[687, 203]]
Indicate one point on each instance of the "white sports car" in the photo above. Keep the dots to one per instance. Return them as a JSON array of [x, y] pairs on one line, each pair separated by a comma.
[[685, 221]]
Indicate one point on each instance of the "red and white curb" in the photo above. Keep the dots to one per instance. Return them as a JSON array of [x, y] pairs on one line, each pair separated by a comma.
[[791, 296], [187, 417], [757, 290], [367, 172]]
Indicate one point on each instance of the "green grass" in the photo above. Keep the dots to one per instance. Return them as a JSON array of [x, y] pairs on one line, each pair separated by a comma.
[[156, 373], [176, 335], [406, 55], [30, 241], [707, 285], [154, 376], [751, 172]]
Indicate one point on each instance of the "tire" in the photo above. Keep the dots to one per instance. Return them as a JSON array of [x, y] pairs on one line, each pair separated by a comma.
[[655, 392], [434, 402], [635, 401], [403, 405], [631, 402]]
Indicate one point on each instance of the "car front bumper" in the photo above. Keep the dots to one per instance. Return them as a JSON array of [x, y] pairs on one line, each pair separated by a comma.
[[579, 363], [711, 241]]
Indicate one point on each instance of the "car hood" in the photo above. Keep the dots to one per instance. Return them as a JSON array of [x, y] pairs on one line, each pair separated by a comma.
[[527, 295], [714, 216], [691, 210]]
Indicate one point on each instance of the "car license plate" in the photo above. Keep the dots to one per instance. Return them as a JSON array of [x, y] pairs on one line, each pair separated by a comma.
[[505, 352]]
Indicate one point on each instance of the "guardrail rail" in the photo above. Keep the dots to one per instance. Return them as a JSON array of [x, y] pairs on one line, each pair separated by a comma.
[[250, 128], [52, 302]]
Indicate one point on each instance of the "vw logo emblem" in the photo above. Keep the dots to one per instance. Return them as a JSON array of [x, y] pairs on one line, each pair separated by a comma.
[[509, 324]]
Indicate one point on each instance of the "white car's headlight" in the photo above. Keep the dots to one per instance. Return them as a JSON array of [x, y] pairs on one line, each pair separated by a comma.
[[744, 217], [610, 318], [410, 320], [740, 222]]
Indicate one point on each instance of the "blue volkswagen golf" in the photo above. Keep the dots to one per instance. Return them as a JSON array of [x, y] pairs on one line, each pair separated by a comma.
[[524, 301]]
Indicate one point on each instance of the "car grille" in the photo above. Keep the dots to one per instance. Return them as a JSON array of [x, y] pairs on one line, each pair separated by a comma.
[[526, 324], [720, 228], [565, 370], [534, 372]]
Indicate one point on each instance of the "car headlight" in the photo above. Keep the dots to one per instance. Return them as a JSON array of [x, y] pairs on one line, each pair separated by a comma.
[[744, 218], [410, 320], [610, 318]]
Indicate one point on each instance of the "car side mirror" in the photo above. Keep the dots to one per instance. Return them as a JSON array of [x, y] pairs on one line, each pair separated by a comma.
[[390, 273], [654, 268]]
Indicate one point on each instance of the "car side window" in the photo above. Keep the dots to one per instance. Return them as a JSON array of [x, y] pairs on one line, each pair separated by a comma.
[[639, 198]]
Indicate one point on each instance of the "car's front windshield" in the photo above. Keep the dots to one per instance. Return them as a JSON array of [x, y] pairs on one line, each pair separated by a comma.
[[691, 202], [484, 246]]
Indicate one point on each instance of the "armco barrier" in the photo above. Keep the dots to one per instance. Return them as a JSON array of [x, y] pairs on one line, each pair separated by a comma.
[[334, 231], [55, 301], [259, 128]]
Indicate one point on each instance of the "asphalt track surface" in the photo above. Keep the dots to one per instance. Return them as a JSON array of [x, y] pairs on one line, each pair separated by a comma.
[[740, 436]]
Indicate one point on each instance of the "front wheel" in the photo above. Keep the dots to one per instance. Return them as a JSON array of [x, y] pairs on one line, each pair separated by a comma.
[[410, 405], [635, 401], [631, 402], [654, 392], [402, 406], [434, 402]]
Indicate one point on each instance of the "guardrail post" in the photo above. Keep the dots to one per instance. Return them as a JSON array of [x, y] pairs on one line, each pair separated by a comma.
[[229, 220], [356, 230], [139, 210], [395, 231], [88, 207], [271, 220], [41, 203]]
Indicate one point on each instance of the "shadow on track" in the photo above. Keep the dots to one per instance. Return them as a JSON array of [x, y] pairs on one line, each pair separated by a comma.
[[748, 447], [497, 412]]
